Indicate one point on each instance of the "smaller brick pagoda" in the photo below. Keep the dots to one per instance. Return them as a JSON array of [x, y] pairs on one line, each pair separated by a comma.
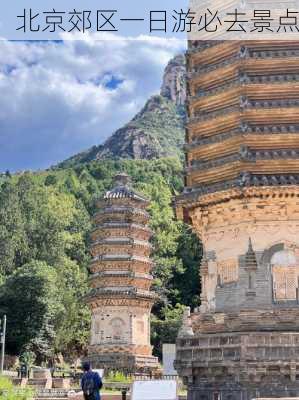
[[121, 299]]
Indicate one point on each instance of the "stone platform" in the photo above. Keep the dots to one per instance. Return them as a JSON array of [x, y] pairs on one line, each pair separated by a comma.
[[124, 361], [231, 357]]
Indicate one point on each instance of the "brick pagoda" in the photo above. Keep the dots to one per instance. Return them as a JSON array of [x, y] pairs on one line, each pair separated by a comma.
[[242, 198], [120, 299]]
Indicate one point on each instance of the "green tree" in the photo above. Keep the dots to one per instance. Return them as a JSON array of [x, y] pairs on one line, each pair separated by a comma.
[[73, 325], [51, 180], [185, 282], [28, 358], [31, 300], [13, 241], [165, 329]]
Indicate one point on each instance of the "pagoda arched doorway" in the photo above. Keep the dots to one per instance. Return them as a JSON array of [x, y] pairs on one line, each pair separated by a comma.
[[285, 275]]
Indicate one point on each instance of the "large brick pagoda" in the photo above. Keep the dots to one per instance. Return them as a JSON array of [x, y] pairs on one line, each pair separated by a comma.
[[242, 198], [120, 299]]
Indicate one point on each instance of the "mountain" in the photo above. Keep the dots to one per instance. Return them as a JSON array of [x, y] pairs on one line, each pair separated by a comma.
[[174, 81], [156, 131]]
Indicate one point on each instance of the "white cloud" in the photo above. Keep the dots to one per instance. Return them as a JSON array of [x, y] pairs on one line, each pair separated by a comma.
[[60, 98]]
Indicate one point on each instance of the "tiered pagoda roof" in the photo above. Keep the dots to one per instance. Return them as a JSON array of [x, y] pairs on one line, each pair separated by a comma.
[[122, 190], [243, 120], [121, 261]]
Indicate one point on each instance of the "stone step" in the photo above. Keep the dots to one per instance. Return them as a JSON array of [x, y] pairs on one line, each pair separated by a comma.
[[50, 398], [52, 393], [37, 383]]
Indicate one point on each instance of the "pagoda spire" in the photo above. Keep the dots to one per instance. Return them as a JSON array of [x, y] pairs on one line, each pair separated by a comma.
[[250, 258]]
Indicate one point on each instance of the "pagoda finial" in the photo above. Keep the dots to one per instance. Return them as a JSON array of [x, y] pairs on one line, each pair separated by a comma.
[[122, 179], [122, 188], [250, 248], [250, 258]]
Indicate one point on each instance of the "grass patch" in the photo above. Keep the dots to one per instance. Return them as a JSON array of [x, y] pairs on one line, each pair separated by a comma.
[[117, 377]]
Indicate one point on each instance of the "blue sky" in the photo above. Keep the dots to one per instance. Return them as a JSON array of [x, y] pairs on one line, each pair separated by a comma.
[[58, 99]]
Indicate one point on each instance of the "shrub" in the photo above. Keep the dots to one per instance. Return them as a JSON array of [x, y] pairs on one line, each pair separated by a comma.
[[118, 377], [10, 392]]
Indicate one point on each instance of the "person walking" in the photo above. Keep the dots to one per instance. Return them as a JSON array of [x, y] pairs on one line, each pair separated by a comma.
[[91, 383]]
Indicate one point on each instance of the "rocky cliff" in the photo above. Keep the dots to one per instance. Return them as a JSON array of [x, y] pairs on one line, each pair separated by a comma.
[[156, 131], [174, 81]]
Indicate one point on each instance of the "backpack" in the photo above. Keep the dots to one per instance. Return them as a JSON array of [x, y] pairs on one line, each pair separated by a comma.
[[89, 388]]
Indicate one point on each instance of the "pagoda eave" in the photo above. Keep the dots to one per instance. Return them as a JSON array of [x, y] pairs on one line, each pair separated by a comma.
[[121, 298], [222, 146]]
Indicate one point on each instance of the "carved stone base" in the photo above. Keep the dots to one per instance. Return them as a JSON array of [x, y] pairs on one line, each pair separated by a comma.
[[239, 365], [243, 391], [125, 362]]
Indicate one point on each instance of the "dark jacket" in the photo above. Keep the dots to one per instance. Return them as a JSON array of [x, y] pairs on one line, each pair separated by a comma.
[[97, 382]]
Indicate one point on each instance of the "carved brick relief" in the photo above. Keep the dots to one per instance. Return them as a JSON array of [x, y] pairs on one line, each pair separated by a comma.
[[285, 283], [285, 274], [118, 326], [227, 271]]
